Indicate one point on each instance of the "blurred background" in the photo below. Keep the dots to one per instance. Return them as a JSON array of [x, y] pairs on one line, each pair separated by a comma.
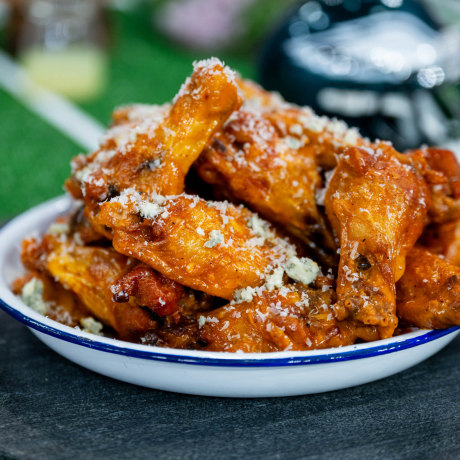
[[390, 67]]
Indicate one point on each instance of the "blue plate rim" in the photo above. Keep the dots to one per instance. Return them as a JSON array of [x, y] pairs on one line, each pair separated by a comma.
[[240, 361]]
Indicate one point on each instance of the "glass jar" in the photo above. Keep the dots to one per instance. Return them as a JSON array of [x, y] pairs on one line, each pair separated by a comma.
[[62, 45]]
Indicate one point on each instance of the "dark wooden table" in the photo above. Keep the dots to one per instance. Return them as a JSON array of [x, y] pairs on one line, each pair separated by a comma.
[[52, 408]]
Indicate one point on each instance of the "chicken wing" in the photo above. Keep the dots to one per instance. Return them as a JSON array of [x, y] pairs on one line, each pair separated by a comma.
[[47, 296], [214, 247], [149, 289], [90, 272], [377, 204], [291, 318], [428, 294], [268, 155], [444, 240], [323, 137], [269, 173], [153, 152], [441, 171], [98, 274]]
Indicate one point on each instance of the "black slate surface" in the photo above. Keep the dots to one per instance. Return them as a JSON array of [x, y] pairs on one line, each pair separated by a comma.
[[52, 408]]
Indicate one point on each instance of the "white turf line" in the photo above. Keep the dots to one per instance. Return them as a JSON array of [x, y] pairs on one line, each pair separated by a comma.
[[57, 111]]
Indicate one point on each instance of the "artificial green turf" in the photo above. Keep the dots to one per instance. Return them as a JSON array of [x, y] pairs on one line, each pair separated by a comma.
[[34, 158], [144, 67]]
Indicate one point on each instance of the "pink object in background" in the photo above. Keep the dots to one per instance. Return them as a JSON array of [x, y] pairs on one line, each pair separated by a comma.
[[205, 24]]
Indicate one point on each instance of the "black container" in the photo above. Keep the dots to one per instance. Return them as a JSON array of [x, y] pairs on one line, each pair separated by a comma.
[[387, 67]]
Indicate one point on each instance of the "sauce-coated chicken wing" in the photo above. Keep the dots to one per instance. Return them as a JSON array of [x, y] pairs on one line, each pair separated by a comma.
[[149, 289], [322, 137], [428, 293], [155, 152], [214, 247], [268, 155], [441, 171], [291, 318], [98, 274], [50, 297], [377, 203], [90, 272], [443, 239], [268, 172]]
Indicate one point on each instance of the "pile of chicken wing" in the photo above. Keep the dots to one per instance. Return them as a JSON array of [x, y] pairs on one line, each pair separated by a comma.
[[231, 220]]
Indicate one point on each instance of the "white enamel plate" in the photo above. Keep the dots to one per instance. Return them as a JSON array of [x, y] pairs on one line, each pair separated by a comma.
[[200, 372]]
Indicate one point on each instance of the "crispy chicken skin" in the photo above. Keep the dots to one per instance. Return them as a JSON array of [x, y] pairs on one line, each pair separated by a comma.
[[269, 155], [271, 174], [293, 318], [63, 305], [90, 272], [441, 171], [149, 289], [155, 154], [322, 137], [214, 247], [377, 203], [443, 239], [428, 294], [95, 274]]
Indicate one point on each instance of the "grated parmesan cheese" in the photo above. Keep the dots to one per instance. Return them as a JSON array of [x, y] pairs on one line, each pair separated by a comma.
[[81, 174], [149, 210], [202, 320]]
